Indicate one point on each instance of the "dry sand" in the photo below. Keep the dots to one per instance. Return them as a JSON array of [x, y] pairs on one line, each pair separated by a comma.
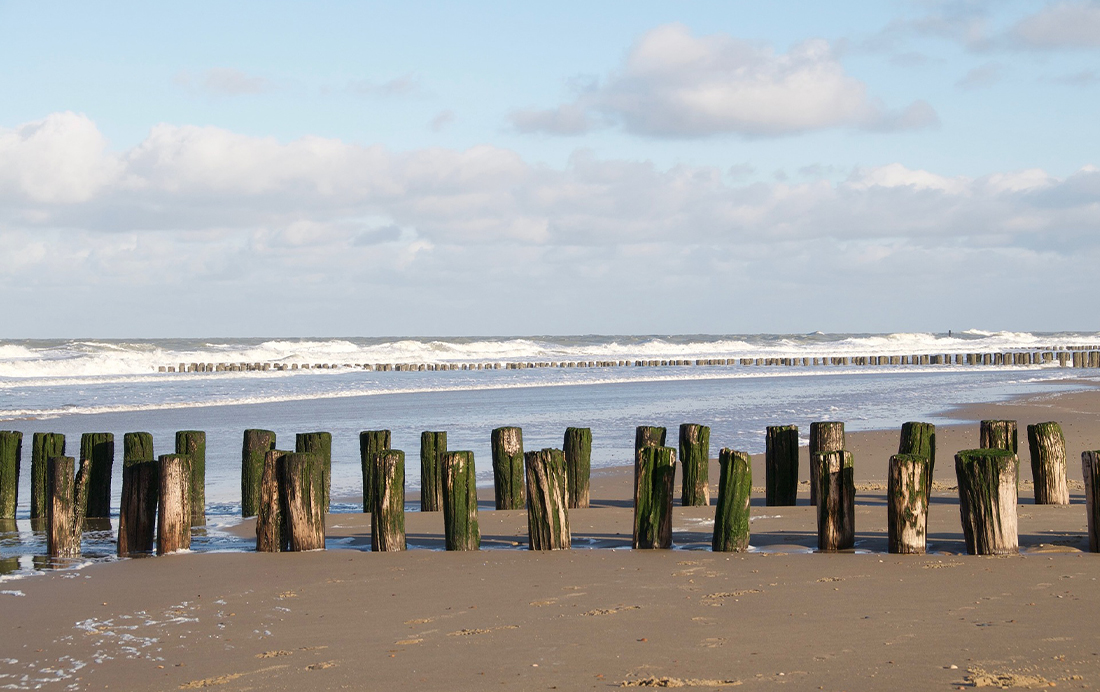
[[505, 618]]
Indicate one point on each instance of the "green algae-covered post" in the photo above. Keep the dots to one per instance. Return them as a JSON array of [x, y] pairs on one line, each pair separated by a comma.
[[998, 434], [11, 456], [646, 436], [66, 503], [44, 446], [319, 443], [1048, 463], [825, 436], [387, 516], [578, 465], [836, 496], [371, 443], [271, 531], [987, 500], [137, 518], [174, 505], [655, 469], [731, 516], [432, 447], [920, 439], [99, 449], [256, 445], [508, 485], [460, 525], [303, 490], [781, 466], [907, 503], [547, 500], [192, 444], [1090, 470], [695, 462]]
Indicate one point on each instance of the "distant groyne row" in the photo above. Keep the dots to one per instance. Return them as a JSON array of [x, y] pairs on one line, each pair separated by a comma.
[[1065, 356]]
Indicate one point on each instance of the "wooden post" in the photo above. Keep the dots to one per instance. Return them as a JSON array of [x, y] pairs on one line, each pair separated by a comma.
[[319, 443], [44, 446], [907, 503], [387, 516], [987, 500], [137, 518], [460, 502], [1048, 463], [781, 466], [192, 444], [731, 517], [508, 468], [66, 503], [998, 434], [256, 445], [824, 437], [432, 447], [695, 462], [11, 456], [646, 436], [920, 439], [578, 465], [836, 495], [271, 533], [1090, 471], [174, 506], [303, 489], [547, 500], [655, 469], [99, 449], [371, 443]]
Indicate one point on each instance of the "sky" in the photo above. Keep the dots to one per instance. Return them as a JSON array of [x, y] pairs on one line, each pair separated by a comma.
[[499, 168]]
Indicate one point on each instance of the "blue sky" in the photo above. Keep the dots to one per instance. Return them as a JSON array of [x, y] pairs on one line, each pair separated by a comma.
[[507, 168]]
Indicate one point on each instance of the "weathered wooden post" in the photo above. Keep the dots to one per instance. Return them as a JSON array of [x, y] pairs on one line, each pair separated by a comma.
[[303, 491], [66, 502], [987, 500], [907, 504], [99, 449], [655, 469], [44, 446], [695, 462], [998, 434], [731, 517], [137, 518], [1048, 463], [11, 456], [256, 445], [432, 447], [836, 495], [825, 436], [781, 466], [460, 502], [578, 465], [646, 436], [320, 444], [547, 500], [371, 443], [192, 444], [271, 531], [1090, 471], [508, 484], [387, 516], [920, 439], [174, 506]]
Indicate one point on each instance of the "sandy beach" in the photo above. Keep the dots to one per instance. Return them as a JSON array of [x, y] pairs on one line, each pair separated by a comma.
[[601, 615]]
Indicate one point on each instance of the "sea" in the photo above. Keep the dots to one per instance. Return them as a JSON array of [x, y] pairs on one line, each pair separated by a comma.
[[73, 386]]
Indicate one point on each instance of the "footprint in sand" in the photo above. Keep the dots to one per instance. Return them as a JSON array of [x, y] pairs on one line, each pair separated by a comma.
[[609, 611]]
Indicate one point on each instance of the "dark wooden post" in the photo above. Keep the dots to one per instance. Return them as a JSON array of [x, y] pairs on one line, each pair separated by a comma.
[[998, 434], [44, 446], [695, 462], [655, 469], [731, 517], [192, 444], [1090, 470], [11, 456], [303, 490], [646, 436], [825, 436], [271, 532], [371, 443], [256, 445], [387, 516], [781, 466], [907, 503], [460, 502], [174, 506], [99, 449], [987, 500], [319, 443], [578, 465], [836, 494], [547, 500], [137, 519], [432, 447], [508, 468], [1048, 463], [66, 503], [920, 439]]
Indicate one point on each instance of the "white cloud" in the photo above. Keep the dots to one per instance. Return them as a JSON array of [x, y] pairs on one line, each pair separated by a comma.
[[61, 159], [224, 81], [407, 84], [1060, 25], [981, 76]]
